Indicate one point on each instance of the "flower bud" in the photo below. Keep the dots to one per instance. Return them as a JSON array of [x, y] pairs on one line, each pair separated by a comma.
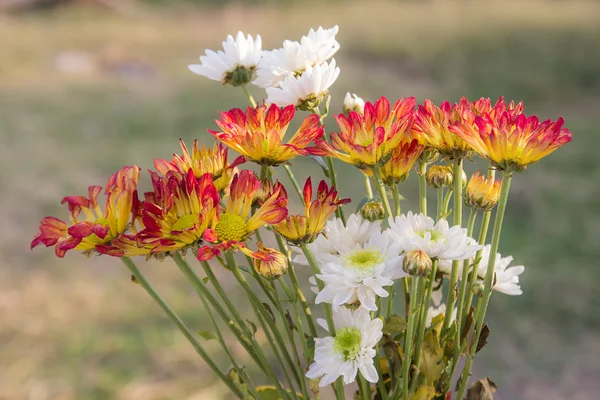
[[417, 263], [269, 263], [373, 211], [482, 193], [439, 176], [353, 103], [429, 155], [241, 75], [477, 288], [262, 194]]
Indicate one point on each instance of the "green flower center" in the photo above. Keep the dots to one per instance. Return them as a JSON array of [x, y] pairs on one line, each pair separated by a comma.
[[186, 222], [435, 235], [231, 227], [347, 342], [363, 259]]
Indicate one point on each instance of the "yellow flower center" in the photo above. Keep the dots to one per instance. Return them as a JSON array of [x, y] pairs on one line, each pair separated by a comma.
[[435, 235], [363, 259], [347, 342], [231, 227], [185, 222]]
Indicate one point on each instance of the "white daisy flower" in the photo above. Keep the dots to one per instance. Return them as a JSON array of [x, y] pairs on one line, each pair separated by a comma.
[[294, 57], [235, 65], [353, 103], [350, 351], [307, 90], [437, 240], [507, 279]]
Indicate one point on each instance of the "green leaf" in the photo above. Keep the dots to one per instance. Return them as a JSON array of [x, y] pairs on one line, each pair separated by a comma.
[[483, 389], [394, 325], [424, 392], [431, 357], [236, 377], [322, 163], [269, 392], [252, 326], [207, 335]]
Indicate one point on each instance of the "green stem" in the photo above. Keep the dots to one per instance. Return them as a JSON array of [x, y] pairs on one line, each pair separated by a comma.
[[249, 96], [295, 184], [383, 392], [365, 388], [408, 339], [464, 284], [379, 185], [368, 186], [440, 203], [447, 201], [141, 279], [339, 386], [482, 304], [263, 315], [396, 197], [423, 187], [457, 212]]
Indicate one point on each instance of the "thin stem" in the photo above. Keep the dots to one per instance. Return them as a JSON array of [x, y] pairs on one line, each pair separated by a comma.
[[457, 213], [365, 388], [249, 96], [464, 283], [408, 339], [482, 304], [141, 279], [379, 185], [380, 383], [396, 197], [295, 184], [368, 186], [440, 203], [339, 386], [447, 201], [423, 187]]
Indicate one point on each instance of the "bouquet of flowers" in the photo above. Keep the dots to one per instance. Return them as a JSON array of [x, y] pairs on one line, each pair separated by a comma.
[[403, 296]]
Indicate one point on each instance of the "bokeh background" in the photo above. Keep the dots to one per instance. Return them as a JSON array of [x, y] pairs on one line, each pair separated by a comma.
[[89, 86]]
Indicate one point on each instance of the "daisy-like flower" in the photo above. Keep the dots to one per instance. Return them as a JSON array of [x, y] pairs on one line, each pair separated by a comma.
[[509, 139], [258, 133], [367, 141], [506, 278], [177, 212], [349, 351], [235, 64], [432, 125], [234, 226], [404, 156], [202, 160], [437, 240], [305, 91], [303, 229], [91, 229], [353, 103], [482, 193], [294, 57], [356, 272]]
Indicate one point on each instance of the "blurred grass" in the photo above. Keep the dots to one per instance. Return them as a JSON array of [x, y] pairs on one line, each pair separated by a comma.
[[78, 329]]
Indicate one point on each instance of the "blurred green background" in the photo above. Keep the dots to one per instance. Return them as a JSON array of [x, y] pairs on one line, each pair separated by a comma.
[[89, 86]]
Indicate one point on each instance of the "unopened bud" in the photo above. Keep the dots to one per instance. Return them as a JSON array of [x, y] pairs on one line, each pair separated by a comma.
[[439, 176], [477, 288], [482, 192], [263, 193], [429, 155], [353, 103], [269, 263], [372, 211], [417, 263]]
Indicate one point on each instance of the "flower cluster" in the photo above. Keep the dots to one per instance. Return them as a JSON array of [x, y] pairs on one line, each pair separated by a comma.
[[203, 203]]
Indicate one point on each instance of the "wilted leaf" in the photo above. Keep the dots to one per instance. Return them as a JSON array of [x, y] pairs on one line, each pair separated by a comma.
[[271, 393], [424, 392], [207, 335], [134, 279], [268, 308], [252, 326], [468, 324], [483, 389], [289, 320], [485, 332], [436, 322], [393, 352], [431, 357], [236, 377], [394, 325]]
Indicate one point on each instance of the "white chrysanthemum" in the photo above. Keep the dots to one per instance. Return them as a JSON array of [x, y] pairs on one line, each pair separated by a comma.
[[350, 351], [309, 88], [507, 279], [353, 103], [437, 240], [294, 57], [235, 64], [357, 261]]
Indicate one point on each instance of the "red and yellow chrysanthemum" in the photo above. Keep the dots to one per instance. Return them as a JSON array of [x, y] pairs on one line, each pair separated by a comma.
[[366, 141], [268, 262], [302, 229], [258, 133], [509, 139], [176, 213], [92, 229], [202, 160], [236, 224], [481, 192], [403, 158]]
